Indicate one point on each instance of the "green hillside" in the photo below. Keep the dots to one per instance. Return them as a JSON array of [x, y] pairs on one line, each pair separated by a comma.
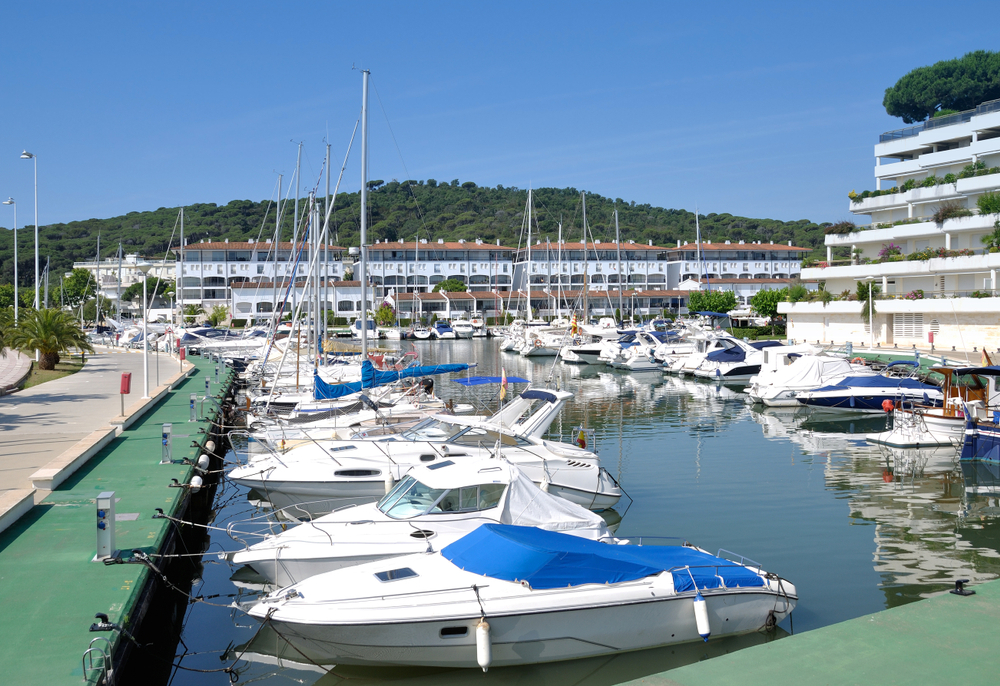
[[399, 210]]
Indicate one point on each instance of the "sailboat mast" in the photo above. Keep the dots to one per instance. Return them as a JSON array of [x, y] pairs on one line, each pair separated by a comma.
[[586, 287], [559, 267], [326, 252], [179, 276], [118, 290], [97, 310], [548, 263], [618, 245], [527, 266], [275, 245], [364, 214], [295, 228], [697, 239]]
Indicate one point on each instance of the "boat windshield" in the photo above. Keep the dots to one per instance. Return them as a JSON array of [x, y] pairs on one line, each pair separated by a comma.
[[410, 498], [437, 431]]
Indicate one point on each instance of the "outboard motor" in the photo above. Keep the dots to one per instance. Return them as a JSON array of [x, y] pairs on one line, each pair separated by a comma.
[[428, 385]]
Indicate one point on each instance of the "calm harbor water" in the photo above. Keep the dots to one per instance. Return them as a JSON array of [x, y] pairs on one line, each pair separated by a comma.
[[855, 527]]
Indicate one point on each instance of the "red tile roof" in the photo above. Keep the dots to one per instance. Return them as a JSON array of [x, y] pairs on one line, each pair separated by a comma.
[[242, 245], [447, 245], [706, 247]]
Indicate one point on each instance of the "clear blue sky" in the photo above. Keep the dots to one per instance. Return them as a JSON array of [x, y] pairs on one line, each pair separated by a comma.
[[757, 109]]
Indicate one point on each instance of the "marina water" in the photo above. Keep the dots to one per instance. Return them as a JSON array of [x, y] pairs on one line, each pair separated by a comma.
[[857, 528]]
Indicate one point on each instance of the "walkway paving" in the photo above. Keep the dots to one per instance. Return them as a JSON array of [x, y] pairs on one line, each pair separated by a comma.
[[14, 366], [39, 423]]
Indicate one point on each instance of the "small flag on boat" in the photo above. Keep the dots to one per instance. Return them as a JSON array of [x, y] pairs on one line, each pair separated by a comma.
[[572, 325], [503, 383], [581, 439]]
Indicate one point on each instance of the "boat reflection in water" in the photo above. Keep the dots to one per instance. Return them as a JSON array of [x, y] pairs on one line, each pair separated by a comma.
[[268, 653]]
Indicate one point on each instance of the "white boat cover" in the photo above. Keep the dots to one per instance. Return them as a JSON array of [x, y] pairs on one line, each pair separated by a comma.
[[808, 371], [528, 505]]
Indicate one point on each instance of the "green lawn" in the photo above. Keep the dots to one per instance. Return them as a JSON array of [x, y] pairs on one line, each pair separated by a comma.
[[69, 364]]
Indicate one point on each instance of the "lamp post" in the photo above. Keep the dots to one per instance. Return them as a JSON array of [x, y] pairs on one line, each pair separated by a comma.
[[10, 201], [144, 267], [30, 156]]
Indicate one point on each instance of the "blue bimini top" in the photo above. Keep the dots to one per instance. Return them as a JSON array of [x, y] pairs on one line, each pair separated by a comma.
[[547, 559]]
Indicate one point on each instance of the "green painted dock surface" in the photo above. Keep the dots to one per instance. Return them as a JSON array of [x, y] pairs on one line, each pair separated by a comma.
[[947, 639], [50, 587]]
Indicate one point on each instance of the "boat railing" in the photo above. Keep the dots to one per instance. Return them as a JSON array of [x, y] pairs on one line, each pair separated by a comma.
[[743, 561], [639, 539], [722, 580]]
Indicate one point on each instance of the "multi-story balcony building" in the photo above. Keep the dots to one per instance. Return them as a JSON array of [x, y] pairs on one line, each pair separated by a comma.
[[552, 265], [923, 245], [417, 267], [211, 269], [114, 276]]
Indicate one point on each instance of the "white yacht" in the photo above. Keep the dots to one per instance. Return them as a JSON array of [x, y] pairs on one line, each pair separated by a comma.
[[510, 595], [429, 508]]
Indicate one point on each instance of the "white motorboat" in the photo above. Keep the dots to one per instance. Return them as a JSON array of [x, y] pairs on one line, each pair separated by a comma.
[[741, 360], [420, 333], [442, 330], [872, 393], [510, 595], [785, 374], [428, 509], [462, 328], [639, 356], [305, 480]]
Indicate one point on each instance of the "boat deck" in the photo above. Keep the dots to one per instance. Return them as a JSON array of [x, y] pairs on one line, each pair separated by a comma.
[[940, 640], [51, 588]]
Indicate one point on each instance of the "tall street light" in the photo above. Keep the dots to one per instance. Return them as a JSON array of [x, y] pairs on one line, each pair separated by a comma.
[[144, 267], [10, 201], [30, 156]]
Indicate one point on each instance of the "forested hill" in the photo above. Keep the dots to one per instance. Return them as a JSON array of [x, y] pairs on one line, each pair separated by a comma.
[[400, 211]]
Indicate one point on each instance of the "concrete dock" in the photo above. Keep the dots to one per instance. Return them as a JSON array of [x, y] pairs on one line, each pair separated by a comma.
[[946, 639]]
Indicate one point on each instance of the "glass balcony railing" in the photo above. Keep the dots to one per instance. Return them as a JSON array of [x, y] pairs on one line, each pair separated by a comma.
[[938, 122]]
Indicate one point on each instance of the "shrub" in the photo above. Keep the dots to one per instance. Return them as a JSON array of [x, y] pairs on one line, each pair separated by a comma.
[[841, 227], [949, 210], [909, 185], [930, 181], [981, 294], [989, 203], [950, 178], [238, 324], [970, 170], [888, 251], [917, 294]]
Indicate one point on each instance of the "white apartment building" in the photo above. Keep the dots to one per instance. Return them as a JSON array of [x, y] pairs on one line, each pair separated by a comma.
[[111, 277], [552, 265], [212, 269], [923, 245], [257, 300], [412, 267]]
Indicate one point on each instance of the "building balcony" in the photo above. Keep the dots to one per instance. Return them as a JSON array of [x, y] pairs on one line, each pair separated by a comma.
[[962, 188], [902, 232], [913, 138], [906, 268]]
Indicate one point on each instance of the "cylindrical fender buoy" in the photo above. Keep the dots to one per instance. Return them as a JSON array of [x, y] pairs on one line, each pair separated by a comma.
[[545, 485], [484, 649], [203, 462], [196, 483], [390, 483], [210, 446], [701, 616]]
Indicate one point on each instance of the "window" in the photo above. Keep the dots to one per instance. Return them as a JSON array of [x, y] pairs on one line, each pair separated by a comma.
[[395, 574], [345, 306]]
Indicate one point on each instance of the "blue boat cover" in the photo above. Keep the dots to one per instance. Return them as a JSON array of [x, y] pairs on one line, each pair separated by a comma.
[[727, 355], [712, 314], [876, 381], [370, 378], [548, 559], [760, 345], [482, 380]]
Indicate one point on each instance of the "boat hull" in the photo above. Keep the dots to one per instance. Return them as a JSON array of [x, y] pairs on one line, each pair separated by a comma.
[[541, 636]]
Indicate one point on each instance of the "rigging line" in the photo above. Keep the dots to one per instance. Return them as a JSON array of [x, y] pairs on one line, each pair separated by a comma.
[[157, 286], [267, 213], [400, 153]]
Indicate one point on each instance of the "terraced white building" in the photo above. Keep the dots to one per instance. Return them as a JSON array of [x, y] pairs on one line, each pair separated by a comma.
[[923, 244]]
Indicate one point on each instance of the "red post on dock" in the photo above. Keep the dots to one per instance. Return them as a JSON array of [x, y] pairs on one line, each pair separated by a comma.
[[126, 388]]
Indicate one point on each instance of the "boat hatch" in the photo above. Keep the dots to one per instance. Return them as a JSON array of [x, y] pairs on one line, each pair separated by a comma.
[[446, 463], [427, 458], [395, 574], [454, 631]]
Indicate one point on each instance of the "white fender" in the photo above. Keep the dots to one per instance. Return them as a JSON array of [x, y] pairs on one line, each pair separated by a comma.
[[390, 483], [701, 616], [196, 483], [484, 649], [203, 461]]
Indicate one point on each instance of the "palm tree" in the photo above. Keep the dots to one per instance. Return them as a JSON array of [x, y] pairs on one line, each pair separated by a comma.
[[191, 312], [50, 332], [217, 315], [992, 240]]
